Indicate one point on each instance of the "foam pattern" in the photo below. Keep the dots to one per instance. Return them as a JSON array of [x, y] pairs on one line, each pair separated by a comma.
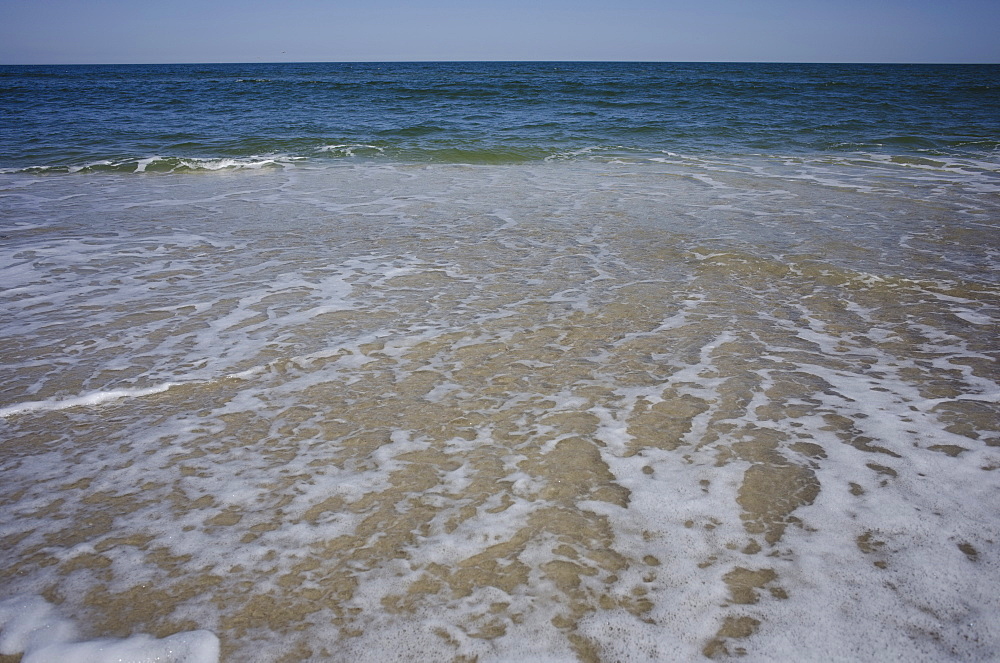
[[622, 411]]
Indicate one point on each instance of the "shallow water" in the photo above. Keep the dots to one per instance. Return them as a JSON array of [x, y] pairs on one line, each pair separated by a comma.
[[638, 410]]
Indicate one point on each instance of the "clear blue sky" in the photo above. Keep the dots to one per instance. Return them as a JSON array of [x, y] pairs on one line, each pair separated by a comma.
[[151, 31]]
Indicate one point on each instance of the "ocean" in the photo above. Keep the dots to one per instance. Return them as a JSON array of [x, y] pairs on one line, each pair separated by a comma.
[[500, 362]]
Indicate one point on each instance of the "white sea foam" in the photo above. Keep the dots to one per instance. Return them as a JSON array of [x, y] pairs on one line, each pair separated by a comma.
[[30, 626], [351, 150], [94, 398], [514, 413]]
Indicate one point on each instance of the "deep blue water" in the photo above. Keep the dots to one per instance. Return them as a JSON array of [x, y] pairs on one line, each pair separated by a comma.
[[170, 117]]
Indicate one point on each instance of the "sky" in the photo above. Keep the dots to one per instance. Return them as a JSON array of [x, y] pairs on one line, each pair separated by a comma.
[[144, 31]]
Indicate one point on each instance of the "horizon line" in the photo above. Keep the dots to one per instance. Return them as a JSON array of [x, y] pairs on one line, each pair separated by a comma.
[[496, 61]]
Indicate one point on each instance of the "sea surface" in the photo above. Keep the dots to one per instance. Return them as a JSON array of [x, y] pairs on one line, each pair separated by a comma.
[[500, 362]]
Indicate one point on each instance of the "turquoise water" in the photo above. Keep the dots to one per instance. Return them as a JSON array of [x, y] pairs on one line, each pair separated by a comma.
[[500, 362]]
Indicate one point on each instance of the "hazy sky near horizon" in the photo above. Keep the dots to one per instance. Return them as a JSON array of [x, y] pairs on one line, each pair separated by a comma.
[[134, 31]]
